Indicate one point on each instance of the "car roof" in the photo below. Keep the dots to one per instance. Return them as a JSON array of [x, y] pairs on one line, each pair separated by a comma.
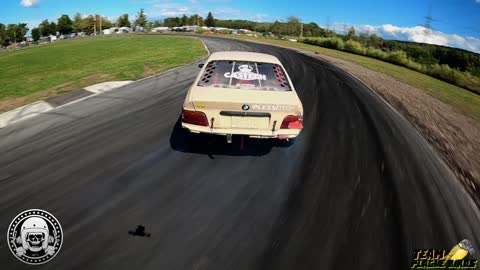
[[244, 56]]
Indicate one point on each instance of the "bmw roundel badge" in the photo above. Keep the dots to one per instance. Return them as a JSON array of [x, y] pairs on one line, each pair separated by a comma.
[[246, 107]]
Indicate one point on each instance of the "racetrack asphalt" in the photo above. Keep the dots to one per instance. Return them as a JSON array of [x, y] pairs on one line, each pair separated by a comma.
[[359, 189]]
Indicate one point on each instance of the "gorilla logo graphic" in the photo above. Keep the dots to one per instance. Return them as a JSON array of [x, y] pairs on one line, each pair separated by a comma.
[[245, 72], [35, 236]]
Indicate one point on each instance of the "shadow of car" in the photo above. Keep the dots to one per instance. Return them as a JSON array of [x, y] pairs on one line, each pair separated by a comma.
[[184, 141]]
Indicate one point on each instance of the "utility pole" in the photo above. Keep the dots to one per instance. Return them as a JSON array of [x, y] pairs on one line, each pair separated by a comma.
[[301, 30], [94, 25], [100, 24], [428, 24], [198, 22]]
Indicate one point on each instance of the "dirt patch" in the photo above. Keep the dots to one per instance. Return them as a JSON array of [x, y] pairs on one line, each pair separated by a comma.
[[7, 104], [148, 70], [454, 135]]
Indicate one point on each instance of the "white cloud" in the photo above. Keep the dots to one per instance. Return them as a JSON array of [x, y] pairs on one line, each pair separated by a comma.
[[259, 17], [226, 13], [171, 9], [415, 34], [226, 1], [167, 8], [29, 3]]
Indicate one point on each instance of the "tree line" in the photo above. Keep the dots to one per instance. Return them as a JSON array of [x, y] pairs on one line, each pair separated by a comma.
[[66, 25], [292, 27], [421, 53], [456, 66], [13, 33]]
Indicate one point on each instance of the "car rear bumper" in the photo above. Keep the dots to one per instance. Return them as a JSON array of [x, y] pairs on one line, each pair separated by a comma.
[[254, 133]]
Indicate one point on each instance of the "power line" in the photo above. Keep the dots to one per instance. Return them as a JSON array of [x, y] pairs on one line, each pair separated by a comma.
[[428, 22]]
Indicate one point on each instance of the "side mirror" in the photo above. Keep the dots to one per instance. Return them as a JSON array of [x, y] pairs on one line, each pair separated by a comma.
[[200, 65]]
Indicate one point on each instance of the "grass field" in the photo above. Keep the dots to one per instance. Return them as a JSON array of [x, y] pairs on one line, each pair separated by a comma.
[[460, 98], [35, 73]]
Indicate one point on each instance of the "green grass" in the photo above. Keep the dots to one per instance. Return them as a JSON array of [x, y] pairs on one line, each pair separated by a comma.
[[77, 63], [460, 98]]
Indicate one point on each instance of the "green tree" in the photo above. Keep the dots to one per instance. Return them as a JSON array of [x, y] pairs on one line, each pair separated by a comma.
[[53, 28], [35, 34], [11, 36], [350, 34], [195, 19], [277, 28], [64, 25], [262, 27], [330, 33], [313, 30], [157, 23], [106, 23], [363, 38], [16, 32], [210, 21], [184, 20], [172, 22], [87, 24], [77, 22], [294, 26], [123, 21], [375, 41], [141, 19], [3, 34], [44, 27]]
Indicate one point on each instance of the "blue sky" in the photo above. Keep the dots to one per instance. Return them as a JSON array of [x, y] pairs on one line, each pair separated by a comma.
[[456, 22]]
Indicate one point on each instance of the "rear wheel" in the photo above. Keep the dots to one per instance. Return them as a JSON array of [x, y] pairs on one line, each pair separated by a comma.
[[182, 139]]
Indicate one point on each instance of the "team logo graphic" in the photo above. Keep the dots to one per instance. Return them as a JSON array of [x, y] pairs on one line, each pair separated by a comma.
[[443, 259], [246, 107], [245, 73], [35, 236]]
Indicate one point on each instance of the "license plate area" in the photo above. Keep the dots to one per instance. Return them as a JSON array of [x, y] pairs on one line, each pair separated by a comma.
[[249, 122]]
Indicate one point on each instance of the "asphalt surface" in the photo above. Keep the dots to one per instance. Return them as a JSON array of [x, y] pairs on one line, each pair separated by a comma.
[[359, 189]]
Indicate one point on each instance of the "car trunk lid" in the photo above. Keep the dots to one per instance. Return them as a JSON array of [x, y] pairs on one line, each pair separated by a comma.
[[246, 109]]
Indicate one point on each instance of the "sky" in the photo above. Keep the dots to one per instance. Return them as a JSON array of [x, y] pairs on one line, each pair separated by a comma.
[[455, 23]]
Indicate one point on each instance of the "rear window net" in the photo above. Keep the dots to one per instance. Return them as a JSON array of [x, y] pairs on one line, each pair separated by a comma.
[[244, 75]]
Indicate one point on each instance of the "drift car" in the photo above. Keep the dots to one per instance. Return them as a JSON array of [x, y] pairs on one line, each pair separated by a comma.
[[243, 93]]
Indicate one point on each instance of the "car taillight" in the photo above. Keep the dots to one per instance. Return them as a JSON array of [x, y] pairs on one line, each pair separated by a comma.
[[292, 122], [194, 118]]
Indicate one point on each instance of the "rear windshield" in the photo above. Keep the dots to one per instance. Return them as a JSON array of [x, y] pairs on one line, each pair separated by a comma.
[[245, 75]]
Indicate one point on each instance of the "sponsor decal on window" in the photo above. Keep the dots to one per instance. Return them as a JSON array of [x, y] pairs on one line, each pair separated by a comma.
[[245, 73]]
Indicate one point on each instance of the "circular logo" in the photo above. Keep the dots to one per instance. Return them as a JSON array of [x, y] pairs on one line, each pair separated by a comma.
[[246, 107], [35, 236]]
